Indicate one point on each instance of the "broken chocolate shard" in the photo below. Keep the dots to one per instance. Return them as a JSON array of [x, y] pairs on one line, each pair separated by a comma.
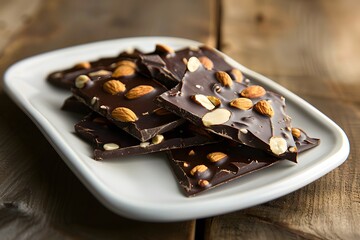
[[200, 168], [128, 102], [169, 69], [266, 126], [109, 141], [66, 78]]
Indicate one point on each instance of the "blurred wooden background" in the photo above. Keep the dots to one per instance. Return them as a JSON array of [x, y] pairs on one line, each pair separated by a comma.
[[310, 47]]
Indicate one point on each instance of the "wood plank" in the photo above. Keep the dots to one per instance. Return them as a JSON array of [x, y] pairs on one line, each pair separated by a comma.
[[40, 198], [304, 46]]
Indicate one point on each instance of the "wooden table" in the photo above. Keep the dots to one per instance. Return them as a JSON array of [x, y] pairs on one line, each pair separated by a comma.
[[310, 47]]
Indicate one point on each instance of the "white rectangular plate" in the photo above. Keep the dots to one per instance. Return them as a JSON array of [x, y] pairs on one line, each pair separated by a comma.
[[143, 187]]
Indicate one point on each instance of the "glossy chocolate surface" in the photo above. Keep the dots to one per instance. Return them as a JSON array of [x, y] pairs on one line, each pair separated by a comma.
[[248, 127], [240, 160], [99, 131], [169, 68], [66, 78], [149, 123]]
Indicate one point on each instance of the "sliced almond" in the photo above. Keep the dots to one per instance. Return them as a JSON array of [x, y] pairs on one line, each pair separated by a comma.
[[242, 103], [83, 65], [193, 64], [139, 91], [124, 71], [216, 117], [198, 169], [224, 78], [100, 73], [162, 48], [81, 81], [206, 62], [203, 101], [264, 107], [214, 100], [254, 91], [237, 75], [114, 87], [216, 156], [124, 114], [278, 145], [296, 132]]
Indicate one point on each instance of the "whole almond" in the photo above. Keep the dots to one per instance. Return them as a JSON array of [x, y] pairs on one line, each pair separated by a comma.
[[124, 71], [162, 48], [139, 91], [124, 114], [216, 156], [198, 169], [242, 103], [99, 73], [254, 91], [126, 63], [193, 64], [114, 87], [296, 132], [224, 78], [206, 62], [237, 75], [83, 65], [264, 107]]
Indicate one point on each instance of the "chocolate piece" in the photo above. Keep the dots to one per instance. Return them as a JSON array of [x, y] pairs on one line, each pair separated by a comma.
[[72, 104], [128, 102], [200, 168], [249, 115], [169, 68], [196, 171], [109, 141], [304, 142], [65, 78]]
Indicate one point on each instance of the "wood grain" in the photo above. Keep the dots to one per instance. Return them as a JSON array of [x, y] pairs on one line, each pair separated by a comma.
[[40, 198], [305, 46]]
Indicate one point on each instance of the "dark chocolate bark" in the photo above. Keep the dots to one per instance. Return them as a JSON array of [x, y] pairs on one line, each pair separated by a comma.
[[200, 168], [169, 67], [133, 112], [66, 78], [259, 120], [109, 141]]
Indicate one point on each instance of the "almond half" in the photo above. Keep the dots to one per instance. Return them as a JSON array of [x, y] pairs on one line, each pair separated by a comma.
[[216, 117], [203, 101]]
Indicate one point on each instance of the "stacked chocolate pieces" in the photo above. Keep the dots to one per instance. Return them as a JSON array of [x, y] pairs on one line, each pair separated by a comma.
[[214, 123]]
